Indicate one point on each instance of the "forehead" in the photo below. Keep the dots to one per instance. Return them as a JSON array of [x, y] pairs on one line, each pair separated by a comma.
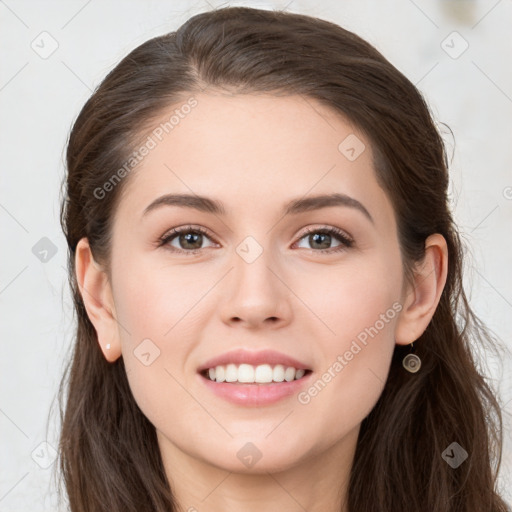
[[259, 148]]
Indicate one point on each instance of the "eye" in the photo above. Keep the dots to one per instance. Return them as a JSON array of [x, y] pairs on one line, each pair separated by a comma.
[[321, 239], [189, 239]]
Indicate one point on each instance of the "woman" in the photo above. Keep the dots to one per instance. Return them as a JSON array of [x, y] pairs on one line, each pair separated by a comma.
[[268, 284]]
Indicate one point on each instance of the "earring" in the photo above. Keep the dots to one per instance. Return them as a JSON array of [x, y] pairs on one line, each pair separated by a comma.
[[411, 362], [108, 347]]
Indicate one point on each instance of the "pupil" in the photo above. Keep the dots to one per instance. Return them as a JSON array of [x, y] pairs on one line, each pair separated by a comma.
[[188, 238], [315, 239]]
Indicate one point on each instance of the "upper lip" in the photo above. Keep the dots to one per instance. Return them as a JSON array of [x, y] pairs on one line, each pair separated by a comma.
[[242, 356]]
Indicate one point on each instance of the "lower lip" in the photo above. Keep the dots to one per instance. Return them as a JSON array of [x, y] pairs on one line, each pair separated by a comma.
[[255, 394]]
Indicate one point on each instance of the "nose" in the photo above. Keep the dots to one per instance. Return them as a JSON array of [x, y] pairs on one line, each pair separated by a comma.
[[256, 294]]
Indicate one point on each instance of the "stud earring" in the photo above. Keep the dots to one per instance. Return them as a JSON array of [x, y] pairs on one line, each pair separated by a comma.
[[411, 362], [108, 346]]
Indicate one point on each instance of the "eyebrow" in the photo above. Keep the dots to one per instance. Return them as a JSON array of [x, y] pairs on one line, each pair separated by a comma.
[[294, 207]]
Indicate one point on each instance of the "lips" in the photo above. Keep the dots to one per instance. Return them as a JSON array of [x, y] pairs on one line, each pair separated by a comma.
[[243, 356]]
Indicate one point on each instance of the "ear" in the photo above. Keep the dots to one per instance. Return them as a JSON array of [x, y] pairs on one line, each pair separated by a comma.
[[96, 293], [421, 299]]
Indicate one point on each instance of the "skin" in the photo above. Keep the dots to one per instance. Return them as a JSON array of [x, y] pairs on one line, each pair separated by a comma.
[[257, 151]]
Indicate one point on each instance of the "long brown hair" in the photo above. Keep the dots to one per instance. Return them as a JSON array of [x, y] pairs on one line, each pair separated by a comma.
[[109, 456]]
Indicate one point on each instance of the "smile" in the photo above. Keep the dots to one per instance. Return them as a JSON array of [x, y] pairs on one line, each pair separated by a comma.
[[250, 374]]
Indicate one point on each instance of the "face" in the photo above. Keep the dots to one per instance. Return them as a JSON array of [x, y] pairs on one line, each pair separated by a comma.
[[272, 270]]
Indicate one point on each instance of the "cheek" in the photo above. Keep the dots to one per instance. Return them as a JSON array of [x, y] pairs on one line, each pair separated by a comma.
[[359, 310], [155, 300], [350, 299], [158, 308]]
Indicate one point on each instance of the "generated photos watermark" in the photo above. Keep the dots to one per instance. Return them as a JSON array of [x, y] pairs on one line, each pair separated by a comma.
[[152, 141], [305, 397]]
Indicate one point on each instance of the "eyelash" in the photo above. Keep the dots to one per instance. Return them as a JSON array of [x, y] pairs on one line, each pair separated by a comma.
[[346, 241]]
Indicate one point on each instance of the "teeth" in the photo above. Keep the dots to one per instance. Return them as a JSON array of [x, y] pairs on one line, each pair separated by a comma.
[[262, 374], [231, 373]]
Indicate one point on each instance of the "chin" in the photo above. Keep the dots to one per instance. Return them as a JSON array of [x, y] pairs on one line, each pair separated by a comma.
[[254, 457]]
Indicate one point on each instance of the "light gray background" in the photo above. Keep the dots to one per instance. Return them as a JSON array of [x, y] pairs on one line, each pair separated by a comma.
[[40, 98]]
